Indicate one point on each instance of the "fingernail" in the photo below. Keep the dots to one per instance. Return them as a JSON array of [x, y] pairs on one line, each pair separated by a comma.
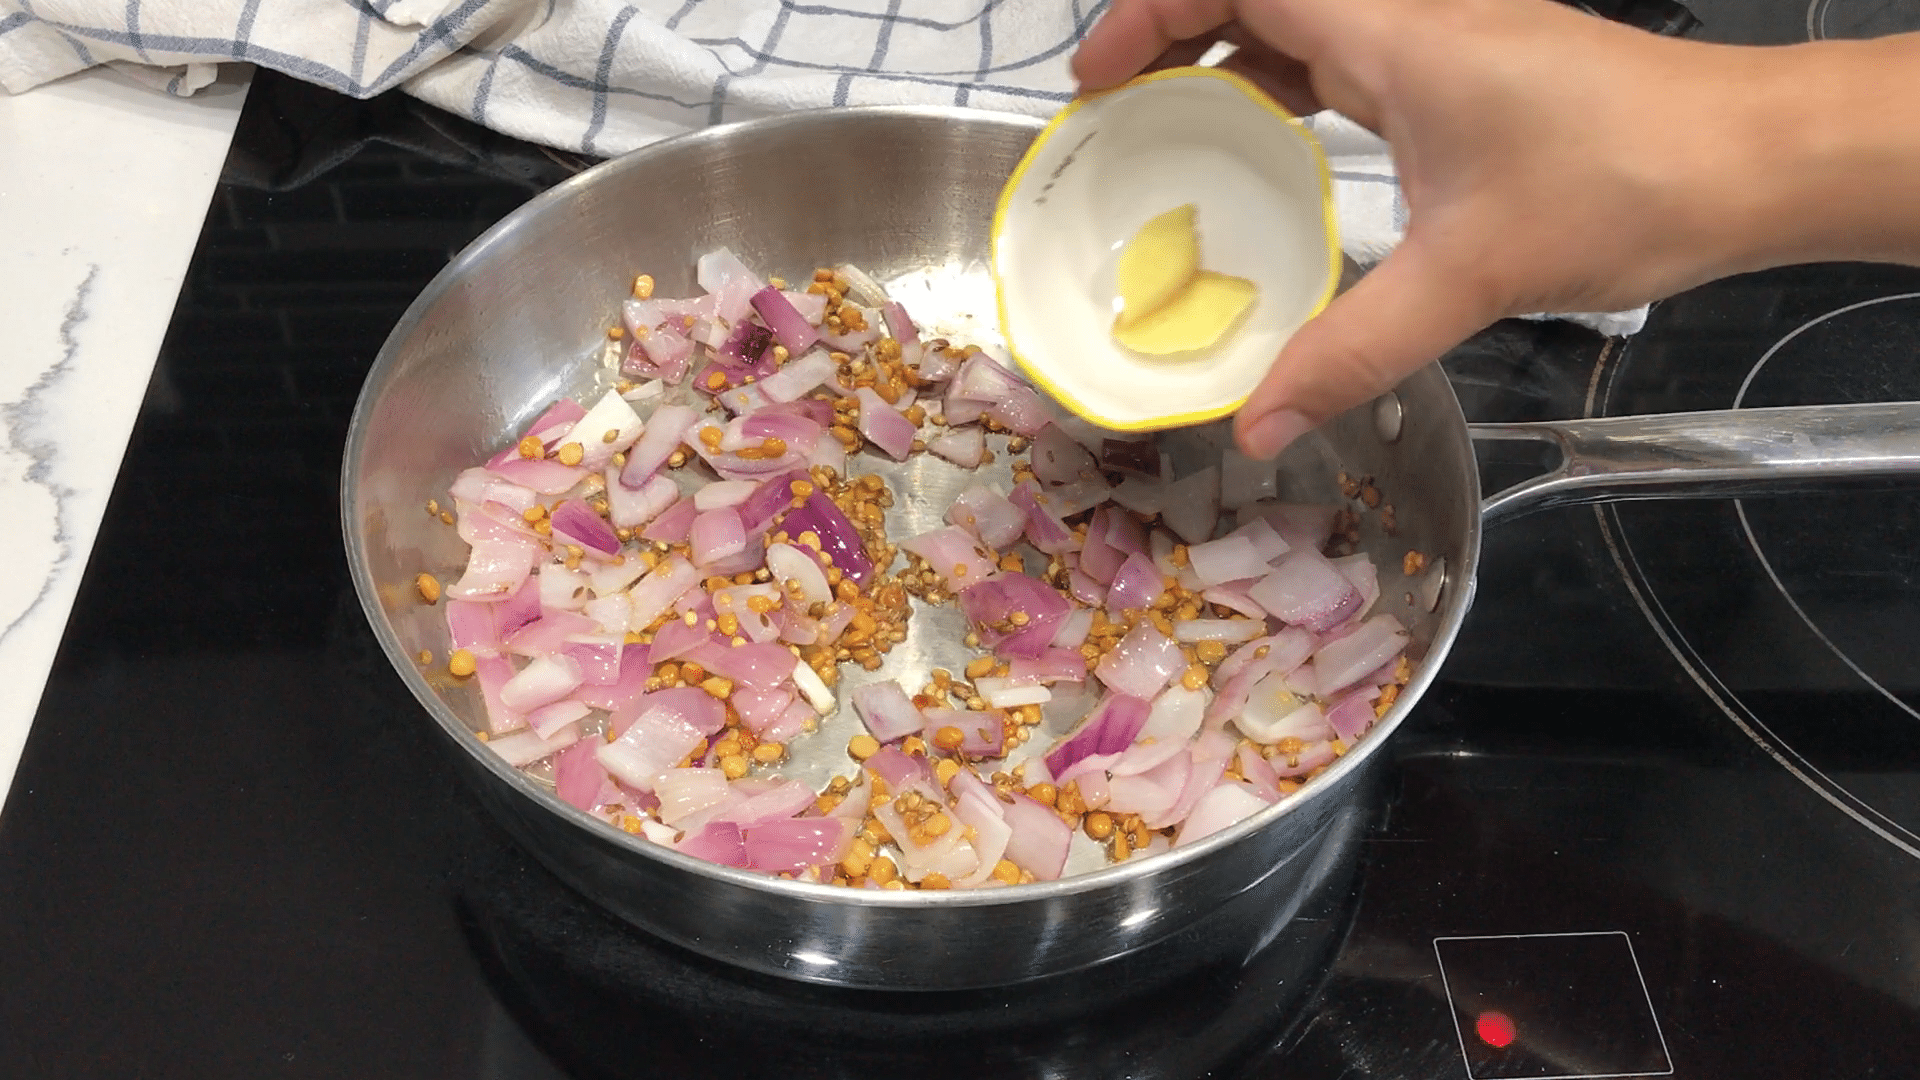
[[1267, 436]]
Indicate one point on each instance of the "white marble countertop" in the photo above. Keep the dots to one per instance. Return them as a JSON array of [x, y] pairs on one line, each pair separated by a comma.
[[104, 186]]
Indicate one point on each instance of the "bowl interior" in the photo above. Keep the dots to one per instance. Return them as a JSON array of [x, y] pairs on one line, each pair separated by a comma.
[[1107, 166]]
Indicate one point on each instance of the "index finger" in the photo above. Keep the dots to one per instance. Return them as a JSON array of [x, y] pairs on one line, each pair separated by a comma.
[[1133, 33]]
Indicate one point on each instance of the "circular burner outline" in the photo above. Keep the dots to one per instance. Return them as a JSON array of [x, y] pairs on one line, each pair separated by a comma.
[[1817, 21], [1740, 506], [1729, 703]]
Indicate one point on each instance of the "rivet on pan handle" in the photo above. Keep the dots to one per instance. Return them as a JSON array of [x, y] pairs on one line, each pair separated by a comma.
[[1709, 454]]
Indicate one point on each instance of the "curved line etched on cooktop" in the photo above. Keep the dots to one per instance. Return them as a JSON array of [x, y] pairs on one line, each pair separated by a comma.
[[1620, 549], [1740, 505]]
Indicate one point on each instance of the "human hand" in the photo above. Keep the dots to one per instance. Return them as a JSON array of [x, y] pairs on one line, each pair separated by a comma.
[[1551, 161]]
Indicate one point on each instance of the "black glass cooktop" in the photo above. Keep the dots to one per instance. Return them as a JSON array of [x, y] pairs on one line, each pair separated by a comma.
[[1658, 817]]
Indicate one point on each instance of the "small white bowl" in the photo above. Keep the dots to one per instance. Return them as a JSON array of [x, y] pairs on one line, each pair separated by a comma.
[[1103, 168]]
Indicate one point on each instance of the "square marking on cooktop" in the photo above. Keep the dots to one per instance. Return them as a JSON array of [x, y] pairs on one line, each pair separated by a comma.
[[1551, 1006]]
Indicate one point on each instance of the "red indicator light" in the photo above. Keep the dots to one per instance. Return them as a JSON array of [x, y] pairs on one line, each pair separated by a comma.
[[1495, 1029]]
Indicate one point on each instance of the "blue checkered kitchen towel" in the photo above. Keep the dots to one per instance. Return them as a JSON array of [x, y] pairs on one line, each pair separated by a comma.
[[605, 76]]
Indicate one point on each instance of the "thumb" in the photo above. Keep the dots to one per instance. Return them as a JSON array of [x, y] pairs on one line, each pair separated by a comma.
[[1399, 317]]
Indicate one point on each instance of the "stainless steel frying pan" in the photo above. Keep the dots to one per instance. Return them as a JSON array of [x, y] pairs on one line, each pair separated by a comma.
[[907, 193]]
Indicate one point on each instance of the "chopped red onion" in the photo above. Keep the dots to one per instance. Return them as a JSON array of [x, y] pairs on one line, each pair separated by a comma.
[[860, 286], [883, 426], [716, 842], [1300, 524], [1349, 720], [839, 540], [527, 747], [1227, 630], [1038, 840], [1340, 663], [954, 555], [1014, 614], [1052, 665], [1045, 530], [965, 447], [811, 306], [1073, 630], [578, 775], [1085, 589], [672, 525], [470, 626], [771, 498], [717, 534], [1359, 570], [685, 792], [1004, 693], [478, 486], [575, 522], [662, 435], [662, 585], [631, 508], [1142, 664], [760, 709], [495, 568], [799, 377], [731, 284], [1307, 760], [1152, 793], [1306, 590], [797, 843], [544, 680], [655, 742], [757, 666], [983, 734], [1136, 585], [544, 475], [1219, 808], [548, 633], [1109, 729], [989, 515], [898, 768], [790, 328], [1270, 544], [723, 493], [991, 834], [888, 712], [675, 638], [1176, 715], [662, 353], [1275, 711], [1145, 496]]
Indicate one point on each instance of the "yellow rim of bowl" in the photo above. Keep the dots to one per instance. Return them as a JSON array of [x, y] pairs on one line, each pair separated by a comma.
[[1254, 94]]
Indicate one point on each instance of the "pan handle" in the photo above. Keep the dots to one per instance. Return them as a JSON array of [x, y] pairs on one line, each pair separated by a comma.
[[1722, 454]]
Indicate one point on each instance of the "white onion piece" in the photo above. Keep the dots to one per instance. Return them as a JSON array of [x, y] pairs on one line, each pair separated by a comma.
[[991, 834], [652, 744], [561, 588], [1270, 544], [613, 613], [1218, 630], [609, 577], [1427, 590], [611, 415], [1142, 495], [646, 391], [1074, 629], [525, 747], [1192, 505], [1176, 714], [723, 493], [788, 563], [799, 376], [685, 792], [1244, 480], [1340, 663], [1001, 695], [633, 507], [1230, 558], [1275, 711], [549, 719], [657, 591], [813, 689], [860, 286], [1219, 808], [546, 680], [965, 447]]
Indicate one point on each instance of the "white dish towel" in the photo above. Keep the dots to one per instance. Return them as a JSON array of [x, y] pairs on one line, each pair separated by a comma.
[[605, 76]]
